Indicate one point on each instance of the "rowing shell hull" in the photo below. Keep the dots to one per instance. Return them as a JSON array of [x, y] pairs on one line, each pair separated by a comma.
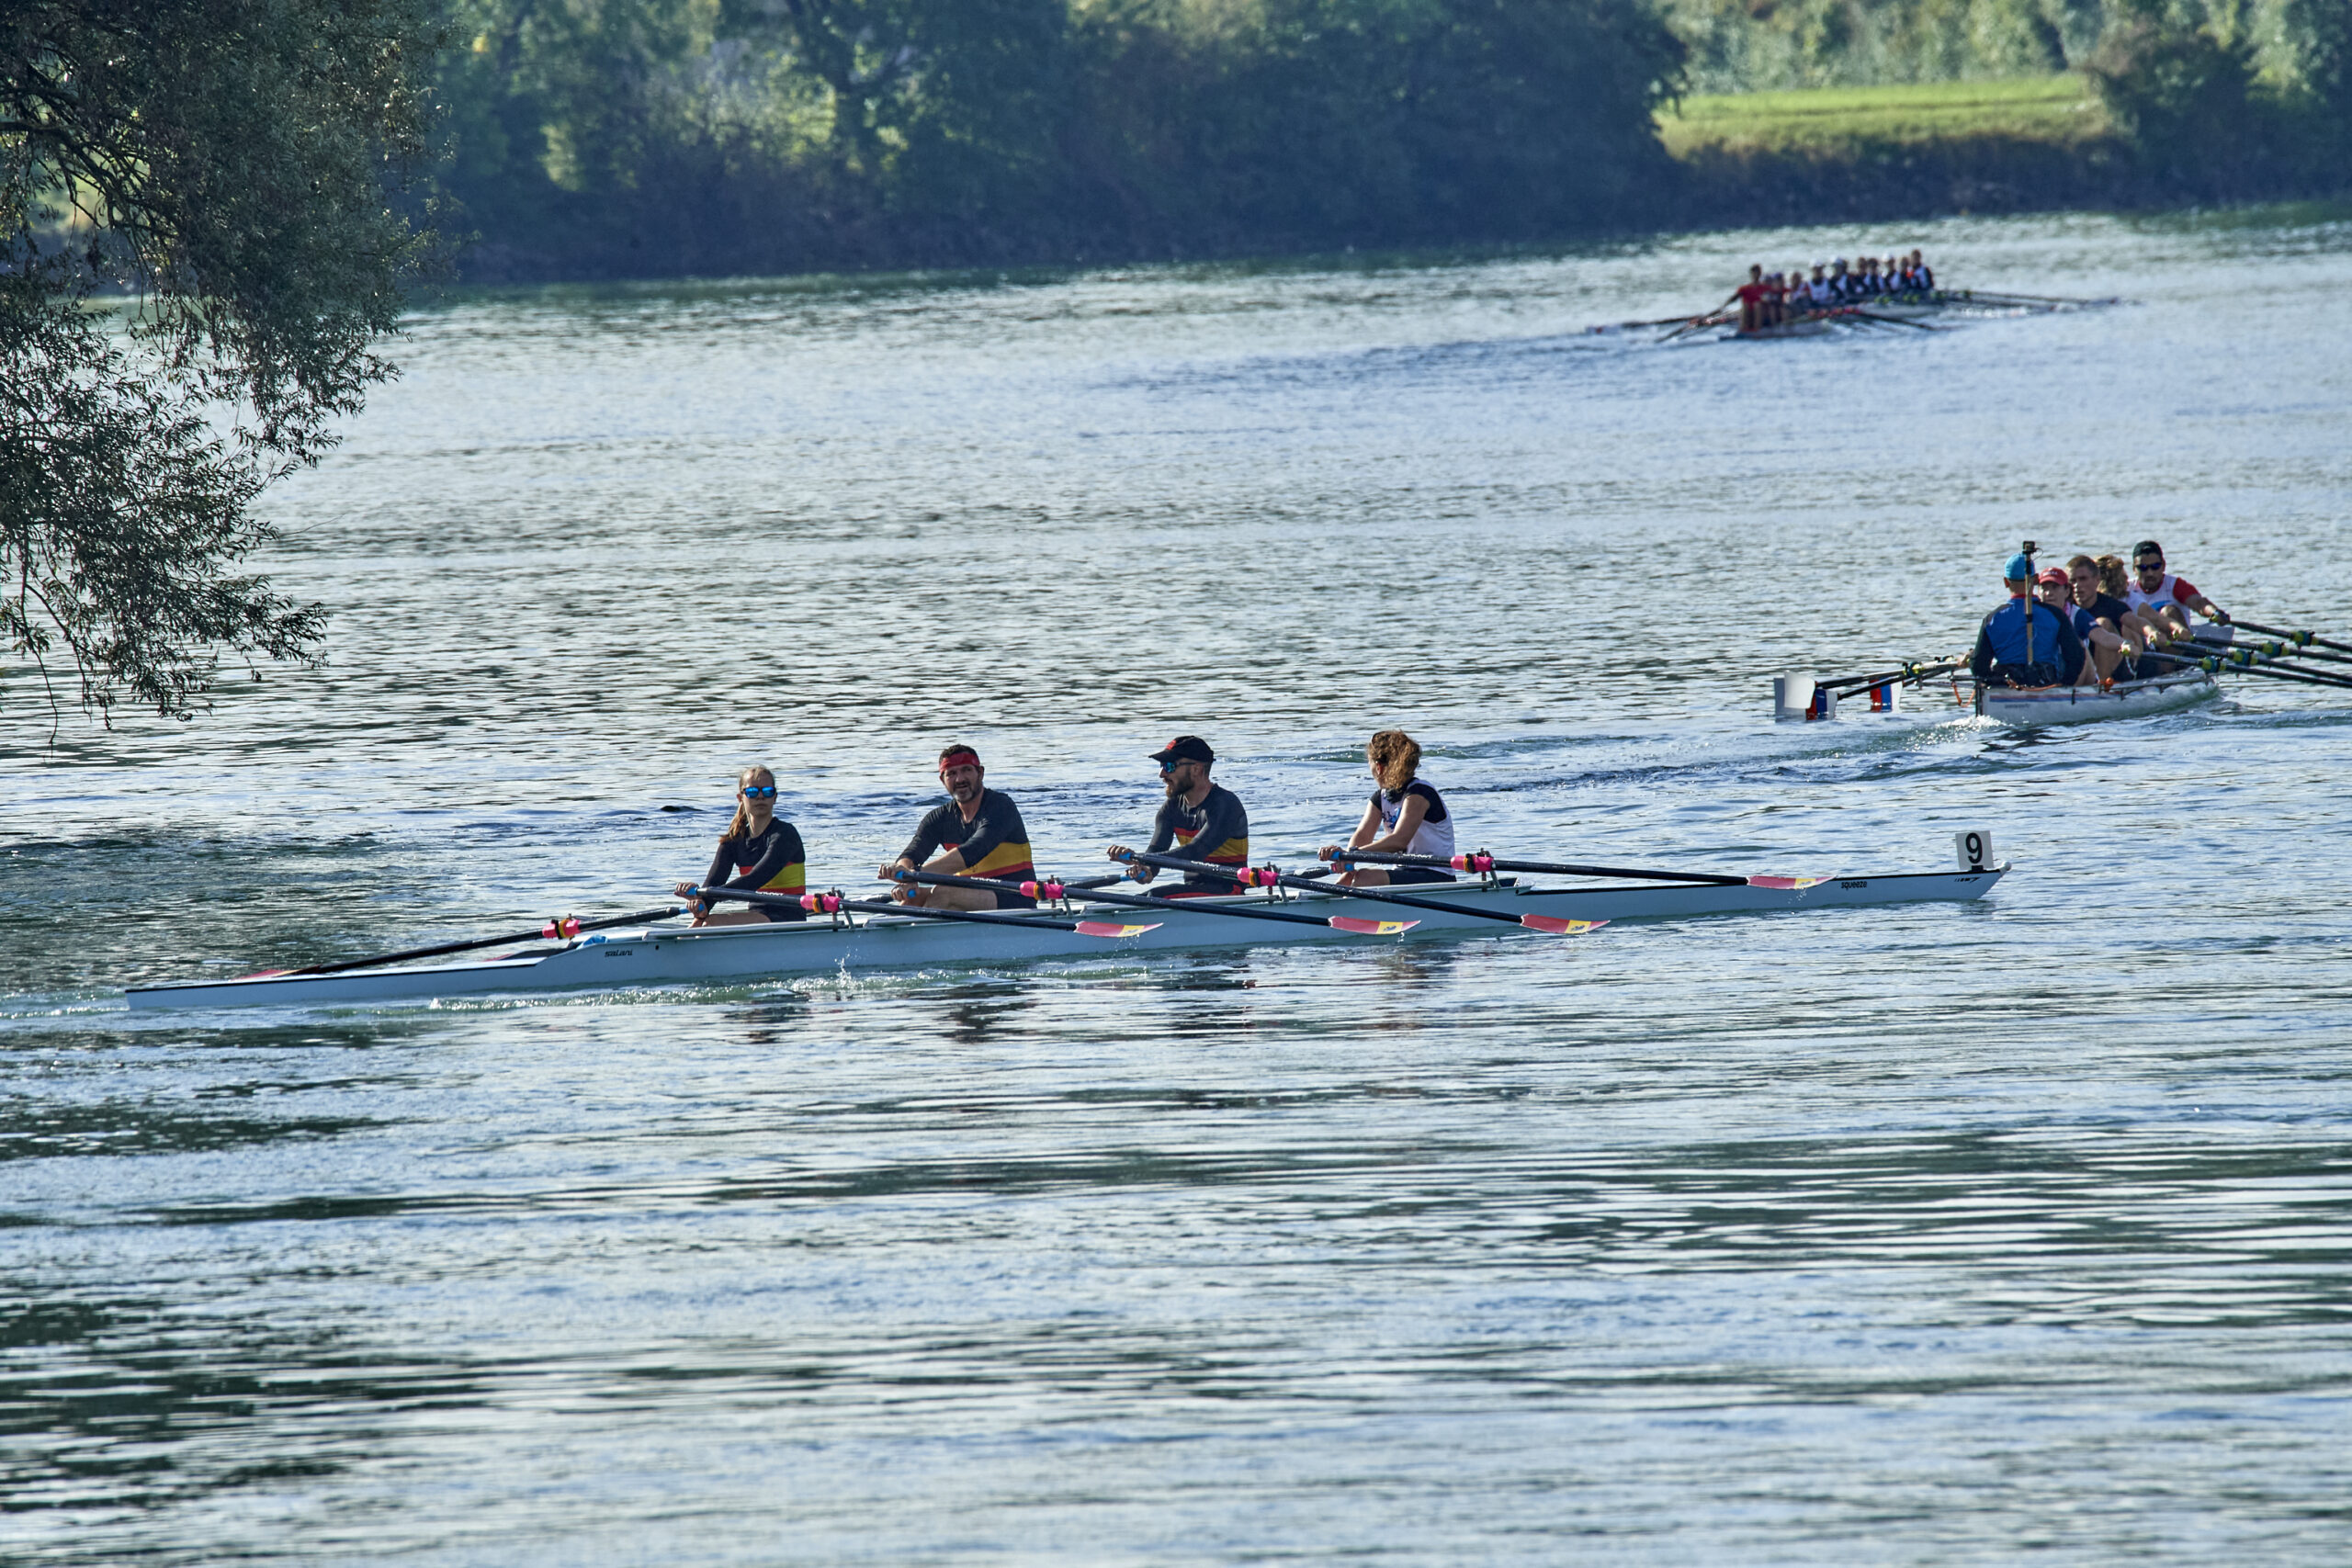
[[891, 942], [2089, 705]]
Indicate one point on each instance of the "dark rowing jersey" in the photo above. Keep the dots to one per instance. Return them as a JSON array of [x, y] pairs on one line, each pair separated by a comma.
[[994, 843], [2110, 608], [1216, 832], [769, 862], [2001, 646]]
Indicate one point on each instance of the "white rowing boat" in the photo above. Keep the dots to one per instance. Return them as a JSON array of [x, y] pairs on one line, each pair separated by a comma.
[[2087, 704], [882, 943]]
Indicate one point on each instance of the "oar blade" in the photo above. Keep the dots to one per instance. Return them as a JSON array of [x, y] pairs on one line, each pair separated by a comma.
[[1786, 883], [1554, 925], [1371, 928], [1113, 929]]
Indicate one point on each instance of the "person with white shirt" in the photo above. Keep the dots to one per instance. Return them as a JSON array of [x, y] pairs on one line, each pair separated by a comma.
[[2164, 600], [1405, 817]]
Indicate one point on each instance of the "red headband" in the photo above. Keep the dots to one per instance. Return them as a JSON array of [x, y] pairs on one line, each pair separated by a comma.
[[966, 758]]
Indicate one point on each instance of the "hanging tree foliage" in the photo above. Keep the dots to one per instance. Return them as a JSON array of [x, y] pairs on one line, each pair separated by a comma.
[[230, 166]]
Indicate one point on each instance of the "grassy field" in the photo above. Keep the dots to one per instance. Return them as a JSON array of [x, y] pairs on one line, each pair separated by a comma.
[[2058, 109]]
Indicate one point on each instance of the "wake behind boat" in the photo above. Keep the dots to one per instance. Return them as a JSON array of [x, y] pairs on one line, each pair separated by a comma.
[[903, 943]]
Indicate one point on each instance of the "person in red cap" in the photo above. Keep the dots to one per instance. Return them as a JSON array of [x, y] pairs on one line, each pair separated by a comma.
[[1199, 820], [977, 831], [2056, 589]]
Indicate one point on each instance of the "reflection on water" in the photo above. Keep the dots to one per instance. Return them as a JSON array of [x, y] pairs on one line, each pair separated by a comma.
[[1907, 1234]]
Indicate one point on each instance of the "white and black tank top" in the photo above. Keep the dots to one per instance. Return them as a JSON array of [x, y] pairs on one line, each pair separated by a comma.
[[1435, 835]]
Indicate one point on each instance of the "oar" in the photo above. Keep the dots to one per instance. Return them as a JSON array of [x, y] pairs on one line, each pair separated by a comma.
[[1638, 326], [1999, 298], [2220, 657], [829, 903], [1712, 319], [2301, 640], [1482, 861], [1553, 925], [1909, 675], [2218, 666], [1894, 321], [2274, 648], [1349, 923], [554, 930]]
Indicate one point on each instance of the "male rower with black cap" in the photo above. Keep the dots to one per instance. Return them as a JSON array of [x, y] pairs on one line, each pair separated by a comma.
[[2023, 643], [1199, 821], [976, 832]]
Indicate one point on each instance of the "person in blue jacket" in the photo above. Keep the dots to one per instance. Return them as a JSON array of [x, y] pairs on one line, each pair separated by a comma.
[[2023, 643]]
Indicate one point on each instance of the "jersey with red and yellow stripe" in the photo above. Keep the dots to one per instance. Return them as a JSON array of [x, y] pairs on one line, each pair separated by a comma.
[[1216, 832], [994, 843]]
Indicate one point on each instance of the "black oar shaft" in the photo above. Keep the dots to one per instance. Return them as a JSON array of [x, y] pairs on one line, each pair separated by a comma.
[[1382, 895], [1485, 862], [550, 931], [2291, 644], [882, 907], [1135, 900], [2229, 656], [1892, 321], [1910, 674], [2295, 637], [2220, 666]]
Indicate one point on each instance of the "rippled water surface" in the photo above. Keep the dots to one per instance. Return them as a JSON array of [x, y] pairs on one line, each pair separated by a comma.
[[1926, 1234]]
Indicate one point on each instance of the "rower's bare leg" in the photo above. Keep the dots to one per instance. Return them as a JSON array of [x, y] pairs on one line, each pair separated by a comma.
[[2106, 652], [957, 898], [1366, 876], [734, 918]]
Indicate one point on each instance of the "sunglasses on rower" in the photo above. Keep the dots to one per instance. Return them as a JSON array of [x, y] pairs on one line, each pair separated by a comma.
[[758, 792]]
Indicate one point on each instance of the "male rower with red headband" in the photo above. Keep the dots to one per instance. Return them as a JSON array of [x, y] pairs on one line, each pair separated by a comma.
[[977, 831], [1199, 821]]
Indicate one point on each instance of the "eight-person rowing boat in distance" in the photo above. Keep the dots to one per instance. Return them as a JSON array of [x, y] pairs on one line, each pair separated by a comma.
[[763, 853], [1405, 816], [1200, 821], [977, 831], [2024, 643], [2162, 600]]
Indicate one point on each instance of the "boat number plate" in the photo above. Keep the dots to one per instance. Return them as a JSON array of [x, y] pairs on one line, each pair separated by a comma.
[[1975, 849]]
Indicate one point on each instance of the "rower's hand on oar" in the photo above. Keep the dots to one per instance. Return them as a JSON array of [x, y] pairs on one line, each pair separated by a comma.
[[1137, 873], [698, 908], [901, 890], [1333, 851]]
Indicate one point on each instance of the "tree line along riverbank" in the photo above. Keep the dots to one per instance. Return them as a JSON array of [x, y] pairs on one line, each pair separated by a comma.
[[646, 138]]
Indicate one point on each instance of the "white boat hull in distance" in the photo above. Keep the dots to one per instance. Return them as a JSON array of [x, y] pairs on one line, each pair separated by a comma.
[[887, 944], [2089, 705]]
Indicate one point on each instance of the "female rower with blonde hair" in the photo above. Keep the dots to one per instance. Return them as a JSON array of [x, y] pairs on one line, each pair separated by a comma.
[[762, 850], [1406, 816]]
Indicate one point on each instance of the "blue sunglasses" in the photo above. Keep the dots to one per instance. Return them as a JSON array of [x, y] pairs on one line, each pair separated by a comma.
[[759, 791]]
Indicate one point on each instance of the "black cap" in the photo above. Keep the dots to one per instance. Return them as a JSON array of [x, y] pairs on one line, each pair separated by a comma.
[[1185, 748], [2147, 547]]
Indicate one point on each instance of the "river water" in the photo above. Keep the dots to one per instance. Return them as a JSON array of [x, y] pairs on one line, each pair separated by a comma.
[[1927, 1234]]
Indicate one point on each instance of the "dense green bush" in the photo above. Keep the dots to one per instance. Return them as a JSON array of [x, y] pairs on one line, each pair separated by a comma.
[[683, 135]]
